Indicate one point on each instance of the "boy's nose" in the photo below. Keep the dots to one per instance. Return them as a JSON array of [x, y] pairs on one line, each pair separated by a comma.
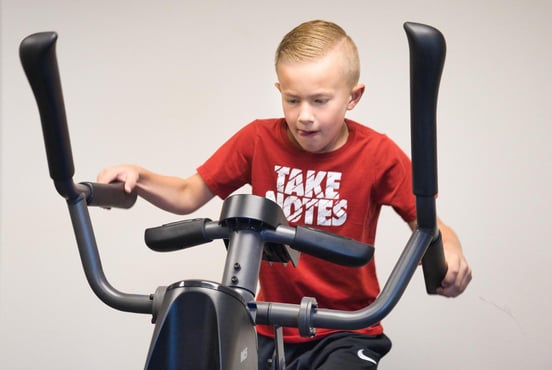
[[305, 113]]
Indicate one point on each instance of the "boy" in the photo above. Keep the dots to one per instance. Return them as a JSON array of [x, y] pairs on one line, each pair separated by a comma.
[[325, 171]]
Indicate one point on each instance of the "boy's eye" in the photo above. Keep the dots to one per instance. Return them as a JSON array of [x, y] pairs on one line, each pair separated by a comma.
[[291, 101], [321, 101]]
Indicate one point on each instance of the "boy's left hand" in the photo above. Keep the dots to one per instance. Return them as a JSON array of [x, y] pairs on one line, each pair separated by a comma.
[[458, 274]]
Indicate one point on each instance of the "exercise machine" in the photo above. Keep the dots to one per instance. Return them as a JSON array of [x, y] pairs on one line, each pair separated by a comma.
[[205, 325]]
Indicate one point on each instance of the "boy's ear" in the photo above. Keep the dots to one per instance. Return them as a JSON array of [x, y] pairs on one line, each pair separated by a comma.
[[277, 85], [356, 94]]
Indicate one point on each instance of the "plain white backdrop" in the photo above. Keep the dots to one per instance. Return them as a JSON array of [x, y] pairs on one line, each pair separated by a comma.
[[164, 83]]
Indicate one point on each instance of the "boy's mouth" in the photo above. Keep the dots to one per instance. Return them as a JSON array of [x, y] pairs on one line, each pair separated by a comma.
[[306, 133]]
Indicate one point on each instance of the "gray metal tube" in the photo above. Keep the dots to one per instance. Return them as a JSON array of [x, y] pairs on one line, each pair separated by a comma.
[[288, 314], [243, 262], [92, 265]]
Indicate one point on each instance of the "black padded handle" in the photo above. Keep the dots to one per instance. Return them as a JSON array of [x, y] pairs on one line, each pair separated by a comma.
[[177, 235], [331, 247], [434, 265], [38, 57], [427, 58], [109, 195]]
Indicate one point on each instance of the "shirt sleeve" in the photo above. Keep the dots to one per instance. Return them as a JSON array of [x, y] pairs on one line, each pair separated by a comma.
[[229, 168], [394, 187]]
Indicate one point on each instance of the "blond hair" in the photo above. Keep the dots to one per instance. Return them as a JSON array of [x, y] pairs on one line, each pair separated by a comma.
[[315, 39]]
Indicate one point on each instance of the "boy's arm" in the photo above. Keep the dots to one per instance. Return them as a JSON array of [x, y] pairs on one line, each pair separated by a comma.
[[173, 194], [459, 272]]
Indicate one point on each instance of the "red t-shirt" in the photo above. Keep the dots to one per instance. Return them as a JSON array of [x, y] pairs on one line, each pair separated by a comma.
[[340, 192]]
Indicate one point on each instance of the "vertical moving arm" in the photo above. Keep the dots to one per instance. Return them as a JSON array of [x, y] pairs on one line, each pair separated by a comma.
[[427, 58], [38, 57]]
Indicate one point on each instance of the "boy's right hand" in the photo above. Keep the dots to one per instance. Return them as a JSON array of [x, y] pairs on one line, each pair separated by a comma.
[[127, 174], [173, 194]]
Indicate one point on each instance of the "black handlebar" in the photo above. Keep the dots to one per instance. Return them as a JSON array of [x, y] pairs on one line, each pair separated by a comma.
[[434, 265], [427, 57], [330, 247], [180, 235], [38, 57], [109, 195]]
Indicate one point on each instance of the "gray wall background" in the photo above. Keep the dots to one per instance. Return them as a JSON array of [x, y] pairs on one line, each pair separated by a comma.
[[164, 83]]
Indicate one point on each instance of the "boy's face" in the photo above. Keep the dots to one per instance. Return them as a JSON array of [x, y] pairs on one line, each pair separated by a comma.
[[315, 97]]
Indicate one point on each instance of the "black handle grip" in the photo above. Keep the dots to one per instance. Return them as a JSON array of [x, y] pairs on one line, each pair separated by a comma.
[[109, 195], [38, 57], [434, 265], [427, 58], [331, 247], [177, 235]]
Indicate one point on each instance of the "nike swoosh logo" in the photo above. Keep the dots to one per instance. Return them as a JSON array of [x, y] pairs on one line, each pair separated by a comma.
[[362, 356]]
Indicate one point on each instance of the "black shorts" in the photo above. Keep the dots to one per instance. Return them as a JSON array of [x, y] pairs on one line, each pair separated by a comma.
[[343, 350]]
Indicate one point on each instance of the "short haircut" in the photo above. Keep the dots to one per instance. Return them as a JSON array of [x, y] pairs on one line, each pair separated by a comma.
[[315, 39]]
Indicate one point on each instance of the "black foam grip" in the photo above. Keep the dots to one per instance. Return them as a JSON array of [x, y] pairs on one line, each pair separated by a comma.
[[38, 57], [434, 265], [331, 247], [109, 195], [427, 57], [177, 235]]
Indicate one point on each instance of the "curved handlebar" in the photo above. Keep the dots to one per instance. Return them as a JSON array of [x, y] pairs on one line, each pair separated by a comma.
[[292, 315], [330, 247], [38, 58]]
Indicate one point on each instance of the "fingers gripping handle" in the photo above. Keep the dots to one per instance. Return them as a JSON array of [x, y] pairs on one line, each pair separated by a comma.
[[427, 57], [38, 57]]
